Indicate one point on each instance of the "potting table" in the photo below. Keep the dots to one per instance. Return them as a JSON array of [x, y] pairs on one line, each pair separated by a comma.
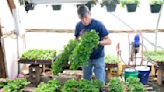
[[33, 62], [34, 69], [110, 71], [160, 68]]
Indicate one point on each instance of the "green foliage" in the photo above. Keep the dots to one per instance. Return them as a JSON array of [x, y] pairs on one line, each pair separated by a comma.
[[87, 86], [62, 59], [107, 2], [51, 86], [82, 52], [116, 85], [98, 84], [131, 80], [155, 56], [2, 84], [15, 85], [81, 86], [38, 54], [136, 88], [22, 2], [70, 86], [111, 59], [156, 1], [134, 85], [124, 2]]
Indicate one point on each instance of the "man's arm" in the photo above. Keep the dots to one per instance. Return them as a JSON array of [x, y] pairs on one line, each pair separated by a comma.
[[106, 41]]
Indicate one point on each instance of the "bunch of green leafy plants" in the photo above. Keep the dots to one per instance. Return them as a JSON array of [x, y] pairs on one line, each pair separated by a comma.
[[134, 85], [87, 86], [111, 59], [155, 55], [2, 84], [62, 59], [124, 2], [82, 86], [107, 2], [116, 85], [15, 85], [82, 52], [38, 54], [156, 1], [50, 86], [70, 86], [98, 84]]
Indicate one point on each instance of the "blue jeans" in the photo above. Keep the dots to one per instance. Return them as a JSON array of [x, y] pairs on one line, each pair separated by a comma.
[[97, 66]]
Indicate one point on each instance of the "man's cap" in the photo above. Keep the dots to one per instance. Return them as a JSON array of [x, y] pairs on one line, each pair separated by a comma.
[[82, 11]]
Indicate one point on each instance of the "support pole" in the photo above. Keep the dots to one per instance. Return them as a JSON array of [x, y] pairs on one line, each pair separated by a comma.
[[156, 30], [16, 21]]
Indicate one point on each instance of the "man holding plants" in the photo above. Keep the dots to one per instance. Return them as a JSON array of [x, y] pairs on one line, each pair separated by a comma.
[[96, 62]]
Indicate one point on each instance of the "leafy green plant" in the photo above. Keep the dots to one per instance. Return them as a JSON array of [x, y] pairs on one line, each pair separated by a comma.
[[130, 81], [156, 1], [106, 2], [136, 88], [116, 85], [82, 86], [82, 52], [51, 86], [62, 59], [134, 85], [98, 84], [87, 86], [155, 56], [15, 85], [124, 2], [2, 84], [111, 59], [38, 54], [70, 86]]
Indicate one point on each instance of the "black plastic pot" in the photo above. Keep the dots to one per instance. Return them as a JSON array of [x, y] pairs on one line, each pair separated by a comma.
[[56, 7], [117, 1], [89, 5], [131, 7], [155, 8], [111, 7]]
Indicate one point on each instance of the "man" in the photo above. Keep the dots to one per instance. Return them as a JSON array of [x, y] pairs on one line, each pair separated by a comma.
[[96, 62]]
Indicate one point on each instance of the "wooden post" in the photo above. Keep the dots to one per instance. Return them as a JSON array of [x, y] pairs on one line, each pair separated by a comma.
[[11, 5], [2, 63], [159, 76]]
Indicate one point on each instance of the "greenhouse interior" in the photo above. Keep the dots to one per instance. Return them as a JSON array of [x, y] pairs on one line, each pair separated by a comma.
[[82, 46]]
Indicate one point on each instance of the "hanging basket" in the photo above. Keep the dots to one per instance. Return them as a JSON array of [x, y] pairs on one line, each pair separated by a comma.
[[111, 7], [155, 8], [89, 5], [131, 7], [56, 7]]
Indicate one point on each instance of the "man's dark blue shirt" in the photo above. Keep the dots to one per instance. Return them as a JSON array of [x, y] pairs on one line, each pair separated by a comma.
[[101, 31]]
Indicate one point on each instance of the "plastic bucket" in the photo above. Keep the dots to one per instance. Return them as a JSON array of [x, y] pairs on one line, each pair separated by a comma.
[[143, 74], [129, 72]]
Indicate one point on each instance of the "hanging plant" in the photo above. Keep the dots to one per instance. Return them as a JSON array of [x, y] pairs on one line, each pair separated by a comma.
[[155, 5], [56, 7], [131, 5], [110, 4], [89, 4]]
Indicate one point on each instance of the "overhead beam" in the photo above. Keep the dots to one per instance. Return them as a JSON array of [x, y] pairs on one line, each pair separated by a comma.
[[58, 1]]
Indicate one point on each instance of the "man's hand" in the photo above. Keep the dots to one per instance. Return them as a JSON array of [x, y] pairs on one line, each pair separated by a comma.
[[105, 41]]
